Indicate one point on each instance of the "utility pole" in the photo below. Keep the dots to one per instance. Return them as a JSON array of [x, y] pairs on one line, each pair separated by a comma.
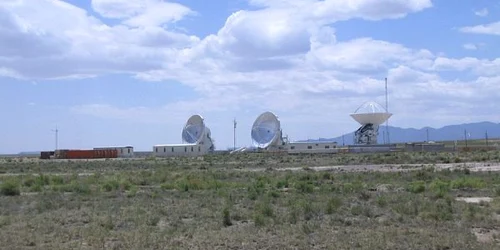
[[486, 136], [343, 141], [57, 134], [387, 110], [234, 134], [427, 131], [465, 135]]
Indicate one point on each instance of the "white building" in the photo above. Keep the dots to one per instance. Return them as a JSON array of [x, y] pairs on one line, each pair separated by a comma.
[[311, 147], [172, 150], [123, 151]]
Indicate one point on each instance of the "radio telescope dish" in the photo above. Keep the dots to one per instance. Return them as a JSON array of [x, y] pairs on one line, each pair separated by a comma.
[[371, 113], [194, 130], [266, 130]]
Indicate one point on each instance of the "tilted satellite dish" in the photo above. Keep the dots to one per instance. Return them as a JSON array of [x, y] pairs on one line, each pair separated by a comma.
[[266, 130], [371, 113], [194, 130]]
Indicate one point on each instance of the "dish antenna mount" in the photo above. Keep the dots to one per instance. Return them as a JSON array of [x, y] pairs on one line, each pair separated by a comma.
[[370, 115], [195, 131], [266, 131]]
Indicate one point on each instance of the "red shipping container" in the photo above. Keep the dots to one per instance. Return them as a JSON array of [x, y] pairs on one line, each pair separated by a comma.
[[105, 153], [87, 154], [79, 154], [60, 154]]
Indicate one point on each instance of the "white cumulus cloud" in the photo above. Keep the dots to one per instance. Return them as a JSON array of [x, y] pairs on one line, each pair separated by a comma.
[[470, 46], [486, 29], [283, 56], [143, 13], [34, 46], [482, 12]]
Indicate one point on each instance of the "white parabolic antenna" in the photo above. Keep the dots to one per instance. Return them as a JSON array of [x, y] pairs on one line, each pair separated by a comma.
[[266, 130], [194, 130], [371, 113]]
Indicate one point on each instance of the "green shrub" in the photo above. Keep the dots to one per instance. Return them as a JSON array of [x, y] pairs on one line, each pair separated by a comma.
[[410, 207], [43, 180], [107, 223], [29, 181], [74, 187], [466, 171], [132, 191], [364, 195], [439, 188], [190, 183], [307, 208], [304, 187], [471, 211], [355, 186], [356, 210], [327, 176], [497, 190], [259, 219], [10, 187], [282, 183], [333, 205], [110, 185], [226, 217], [416, 187], [293, 215], [57, 180], [125, 185], [440, 210], [273, 194], [152, 220], [167, 186], [424, 174], [381, 201], [265, 208], [252, 193], [5, 221], [468, 182]]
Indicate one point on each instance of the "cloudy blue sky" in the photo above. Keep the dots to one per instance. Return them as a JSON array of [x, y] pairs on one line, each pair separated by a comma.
[[115, 72]]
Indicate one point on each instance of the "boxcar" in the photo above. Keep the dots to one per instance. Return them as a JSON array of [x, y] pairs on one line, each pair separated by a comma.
[[46, 154], [105, 153]]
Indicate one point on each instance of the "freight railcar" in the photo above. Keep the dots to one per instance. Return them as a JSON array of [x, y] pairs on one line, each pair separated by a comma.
[[105, 153], [46, 154], [123, 151], [86, 153]]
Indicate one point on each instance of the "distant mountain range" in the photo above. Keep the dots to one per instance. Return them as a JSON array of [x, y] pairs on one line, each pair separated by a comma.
[[448, 133]]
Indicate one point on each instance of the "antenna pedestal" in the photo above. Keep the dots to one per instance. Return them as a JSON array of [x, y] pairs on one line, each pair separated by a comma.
[[266, 132], [366, 134], [370, 115]]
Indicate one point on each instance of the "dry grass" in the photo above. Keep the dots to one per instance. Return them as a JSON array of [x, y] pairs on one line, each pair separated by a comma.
[[211, 204], [242, 161]]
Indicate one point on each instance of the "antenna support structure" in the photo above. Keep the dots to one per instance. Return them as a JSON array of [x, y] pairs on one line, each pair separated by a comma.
[[370, 115], [56, 131]]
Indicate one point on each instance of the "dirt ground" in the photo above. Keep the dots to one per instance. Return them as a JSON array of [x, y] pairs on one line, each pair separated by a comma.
[[253, 202]]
